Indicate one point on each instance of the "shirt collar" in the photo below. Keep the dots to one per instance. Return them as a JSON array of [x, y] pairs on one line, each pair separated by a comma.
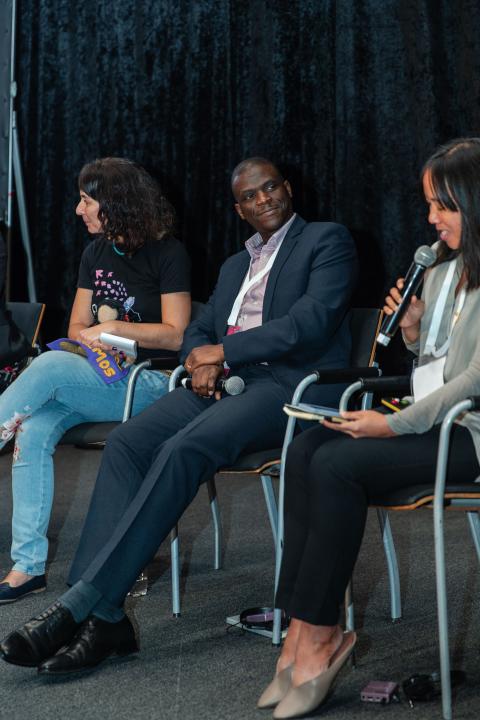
[[255, 243]]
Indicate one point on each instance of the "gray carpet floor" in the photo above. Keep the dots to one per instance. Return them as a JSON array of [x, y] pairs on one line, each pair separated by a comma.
[[191, 667]]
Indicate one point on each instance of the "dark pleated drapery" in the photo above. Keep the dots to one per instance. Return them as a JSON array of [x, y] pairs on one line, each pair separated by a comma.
[[348, 96]]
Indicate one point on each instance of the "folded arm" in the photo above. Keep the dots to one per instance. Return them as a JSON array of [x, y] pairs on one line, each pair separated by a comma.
[[166, 335]]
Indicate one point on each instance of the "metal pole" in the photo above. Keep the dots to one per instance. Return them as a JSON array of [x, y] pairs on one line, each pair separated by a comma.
[[22, 212], [13, 92], [15, 174]]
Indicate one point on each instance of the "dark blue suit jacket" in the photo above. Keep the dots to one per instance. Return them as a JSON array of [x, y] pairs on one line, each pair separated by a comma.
[[305, 309], [304, 327]]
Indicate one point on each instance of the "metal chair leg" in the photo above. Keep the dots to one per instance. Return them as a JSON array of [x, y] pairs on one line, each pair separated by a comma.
[[440, 573], [392, 565], [277, 612], [271, 502], [474, 522], [217, 524], [349, 611], [350, 616], [175, 563], [289, 432]]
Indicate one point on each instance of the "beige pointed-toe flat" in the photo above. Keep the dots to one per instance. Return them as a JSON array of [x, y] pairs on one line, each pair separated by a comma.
[[277, 689], [308, 696]]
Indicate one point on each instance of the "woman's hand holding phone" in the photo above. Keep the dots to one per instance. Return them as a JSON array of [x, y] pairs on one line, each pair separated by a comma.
[[362, 423]]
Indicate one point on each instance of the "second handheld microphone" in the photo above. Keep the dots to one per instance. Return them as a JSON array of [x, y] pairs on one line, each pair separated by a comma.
[[233, 385], [423, 258]]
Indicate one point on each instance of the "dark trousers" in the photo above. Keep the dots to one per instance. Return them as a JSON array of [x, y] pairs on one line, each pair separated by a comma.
[[330, 481], [153, 465]]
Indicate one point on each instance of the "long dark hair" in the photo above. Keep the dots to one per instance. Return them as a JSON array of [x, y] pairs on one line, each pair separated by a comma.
[[455, 177], [132, 206]]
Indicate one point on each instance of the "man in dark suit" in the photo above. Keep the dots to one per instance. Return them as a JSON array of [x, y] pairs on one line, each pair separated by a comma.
[[279, 310]]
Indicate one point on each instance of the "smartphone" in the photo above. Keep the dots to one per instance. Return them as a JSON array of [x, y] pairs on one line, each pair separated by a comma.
[[305, 411]]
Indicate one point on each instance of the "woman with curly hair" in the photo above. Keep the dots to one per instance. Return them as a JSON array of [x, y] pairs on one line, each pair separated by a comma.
[[133, 282]]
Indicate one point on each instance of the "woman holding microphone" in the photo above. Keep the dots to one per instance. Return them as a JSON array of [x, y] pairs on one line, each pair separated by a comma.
[[334, 470]]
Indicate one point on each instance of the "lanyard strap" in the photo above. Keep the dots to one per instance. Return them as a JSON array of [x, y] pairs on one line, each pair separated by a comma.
[[462, 296], [456, 314], [248, 283], [438, 311], [430, 345]]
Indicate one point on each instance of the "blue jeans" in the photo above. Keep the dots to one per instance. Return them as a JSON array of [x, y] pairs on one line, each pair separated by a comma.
[[57, 391]]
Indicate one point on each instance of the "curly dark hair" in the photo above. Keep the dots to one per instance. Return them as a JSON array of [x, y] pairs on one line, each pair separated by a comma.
[[455, 175], [132, 206]]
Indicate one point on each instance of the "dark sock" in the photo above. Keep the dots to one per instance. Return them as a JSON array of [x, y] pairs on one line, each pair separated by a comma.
[[80, 600], [108, 612]]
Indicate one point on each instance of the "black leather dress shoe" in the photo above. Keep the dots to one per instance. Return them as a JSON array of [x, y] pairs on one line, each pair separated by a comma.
[[95, 641], [40, 637]]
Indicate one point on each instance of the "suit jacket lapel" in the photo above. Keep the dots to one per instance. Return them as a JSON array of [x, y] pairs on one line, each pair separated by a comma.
[[289, 242]]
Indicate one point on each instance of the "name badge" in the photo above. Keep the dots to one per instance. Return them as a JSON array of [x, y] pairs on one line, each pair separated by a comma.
[[428, 378]]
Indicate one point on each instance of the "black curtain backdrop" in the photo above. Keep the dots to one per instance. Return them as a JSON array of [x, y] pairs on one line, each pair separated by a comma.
[[348, 97]]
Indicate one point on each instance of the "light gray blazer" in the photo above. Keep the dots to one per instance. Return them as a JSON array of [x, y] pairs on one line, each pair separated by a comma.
[[462, 367]]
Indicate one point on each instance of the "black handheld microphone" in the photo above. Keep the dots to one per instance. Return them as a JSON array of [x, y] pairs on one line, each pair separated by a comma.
[[423, 258], [233, 385]]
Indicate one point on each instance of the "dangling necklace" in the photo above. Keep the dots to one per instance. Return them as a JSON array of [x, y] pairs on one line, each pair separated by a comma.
[[119, 252]]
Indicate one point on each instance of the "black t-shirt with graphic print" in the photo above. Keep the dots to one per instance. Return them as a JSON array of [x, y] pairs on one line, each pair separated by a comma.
[[128, 288]]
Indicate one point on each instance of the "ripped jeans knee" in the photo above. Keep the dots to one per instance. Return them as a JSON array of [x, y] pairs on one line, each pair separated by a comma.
[[10, 427]]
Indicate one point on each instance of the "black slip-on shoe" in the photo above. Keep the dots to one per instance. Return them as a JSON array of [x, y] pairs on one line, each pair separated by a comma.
[[9, 594], [95, 641], [40, 638]]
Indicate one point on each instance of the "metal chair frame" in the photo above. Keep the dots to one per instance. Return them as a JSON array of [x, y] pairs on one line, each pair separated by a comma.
[[28, 317], [175, 377], [265, 473], [383, 519], [93, 435], [438, 518], [464, 499], [289, 434], [272, 468]]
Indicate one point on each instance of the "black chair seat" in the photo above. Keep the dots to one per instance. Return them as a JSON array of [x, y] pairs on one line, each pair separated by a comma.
[[255, 462], [417, 495], [88, 434]]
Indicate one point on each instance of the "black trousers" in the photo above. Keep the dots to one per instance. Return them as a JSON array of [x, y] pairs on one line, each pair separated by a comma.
[[153, 465], [330, 481]]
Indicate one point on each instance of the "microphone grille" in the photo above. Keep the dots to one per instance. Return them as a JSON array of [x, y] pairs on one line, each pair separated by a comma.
[[234, 385], [425, 256]]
